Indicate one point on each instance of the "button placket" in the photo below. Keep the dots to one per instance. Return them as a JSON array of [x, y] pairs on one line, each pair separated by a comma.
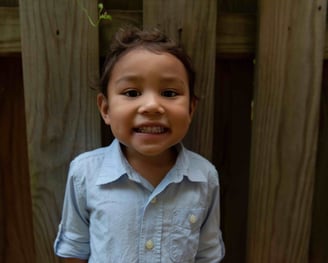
[[151, 231]]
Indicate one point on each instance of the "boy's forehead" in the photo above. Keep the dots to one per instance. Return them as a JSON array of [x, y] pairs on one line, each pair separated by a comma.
[[140, 58], [141, 49]]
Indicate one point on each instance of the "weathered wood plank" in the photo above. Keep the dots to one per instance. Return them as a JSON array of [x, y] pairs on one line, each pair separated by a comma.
[[60, 60], [9, 30], [177, 19], [285, 129], [235, 35], [236, 32]]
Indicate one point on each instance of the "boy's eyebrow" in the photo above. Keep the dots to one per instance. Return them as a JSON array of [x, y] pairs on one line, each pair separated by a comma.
[[174, 79]]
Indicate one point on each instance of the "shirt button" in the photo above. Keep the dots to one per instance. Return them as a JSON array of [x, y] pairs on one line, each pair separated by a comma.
[[192, 219], [154, 200], [149, 244]]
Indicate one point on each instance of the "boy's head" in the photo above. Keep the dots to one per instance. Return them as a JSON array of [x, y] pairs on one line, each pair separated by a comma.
[[153, 40], [147, 93]]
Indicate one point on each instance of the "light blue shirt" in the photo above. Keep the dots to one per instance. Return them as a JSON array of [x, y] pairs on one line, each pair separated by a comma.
[[112, 214]]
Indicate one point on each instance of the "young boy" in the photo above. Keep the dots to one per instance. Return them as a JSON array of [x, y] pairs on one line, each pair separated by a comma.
[[144, 198]]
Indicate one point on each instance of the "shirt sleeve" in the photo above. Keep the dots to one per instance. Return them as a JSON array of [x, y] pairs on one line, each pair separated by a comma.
[[211, 246], [72, 240]]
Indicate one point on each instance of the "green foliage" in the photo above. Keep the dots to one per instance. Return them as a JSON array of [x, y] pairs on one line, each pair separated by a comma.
[[102, 14]]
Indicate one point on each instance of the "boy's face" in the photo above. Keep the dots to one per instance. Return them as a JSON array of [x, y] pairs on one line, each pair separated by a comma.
[[148, 105]]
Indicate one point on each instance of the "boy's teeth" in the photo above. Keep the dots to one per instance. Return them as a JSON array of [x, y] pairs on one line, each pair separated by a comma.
[[151, 130]]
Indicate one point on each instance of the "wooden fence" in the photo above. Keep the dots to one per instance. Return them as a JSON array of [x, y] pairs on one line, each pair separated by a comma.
[[262, 118]]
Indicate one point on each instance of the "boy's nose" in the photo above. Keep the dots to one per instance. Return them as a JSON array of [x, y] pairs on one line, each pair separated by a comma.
[[151, 104]]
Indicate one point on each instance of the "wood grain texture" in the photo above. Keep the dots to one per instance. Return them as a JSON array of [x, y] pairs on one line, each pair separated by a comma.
[[60, 61], [9, 30], [285, 129], [235, 34], [319, 231], [177, 19], [235, 37], [16, 232]]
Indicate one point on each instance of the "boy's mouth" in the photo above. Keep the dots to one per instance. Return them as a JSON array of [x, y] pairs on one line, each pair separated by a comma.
[[151, 129]]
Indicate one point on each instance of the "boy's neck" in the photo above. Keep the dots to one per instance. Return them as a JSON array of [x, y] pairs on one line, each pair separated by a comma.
[[152, 168]]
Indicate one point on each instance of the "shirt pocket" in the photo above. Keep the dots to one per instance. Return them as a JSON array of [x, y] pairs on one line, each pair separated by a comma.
[[185, 232]]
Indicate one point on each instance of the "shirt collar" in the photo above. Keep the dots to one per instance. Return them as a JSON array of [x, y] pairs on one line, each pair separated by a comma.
[[184, 168], [115, 162]]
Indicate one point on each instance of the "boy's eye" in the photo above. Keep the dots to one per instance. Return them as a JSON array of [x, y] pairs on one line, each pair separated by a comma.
[[169, 93], [132, 93]]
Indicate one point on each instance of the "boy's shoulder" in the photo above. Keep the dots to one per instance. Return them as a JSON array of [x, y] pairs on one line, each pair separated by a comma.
[[197, 164], [95, 158], [91, 155], [196, 159]]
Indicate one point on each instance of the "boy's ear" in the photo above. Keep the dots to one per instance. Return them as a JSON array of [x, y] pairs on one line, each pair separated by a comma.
[[103, 107]]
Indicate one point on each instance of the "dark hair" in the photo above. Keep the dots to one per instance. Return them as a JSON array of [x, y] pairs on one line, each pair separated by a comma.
[[154, 40]]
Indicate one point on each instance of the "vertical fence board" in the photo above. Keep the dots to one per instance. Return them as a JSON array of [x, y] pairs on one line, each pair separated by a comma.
[[193, 24], [284, 135], [60, 59]]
